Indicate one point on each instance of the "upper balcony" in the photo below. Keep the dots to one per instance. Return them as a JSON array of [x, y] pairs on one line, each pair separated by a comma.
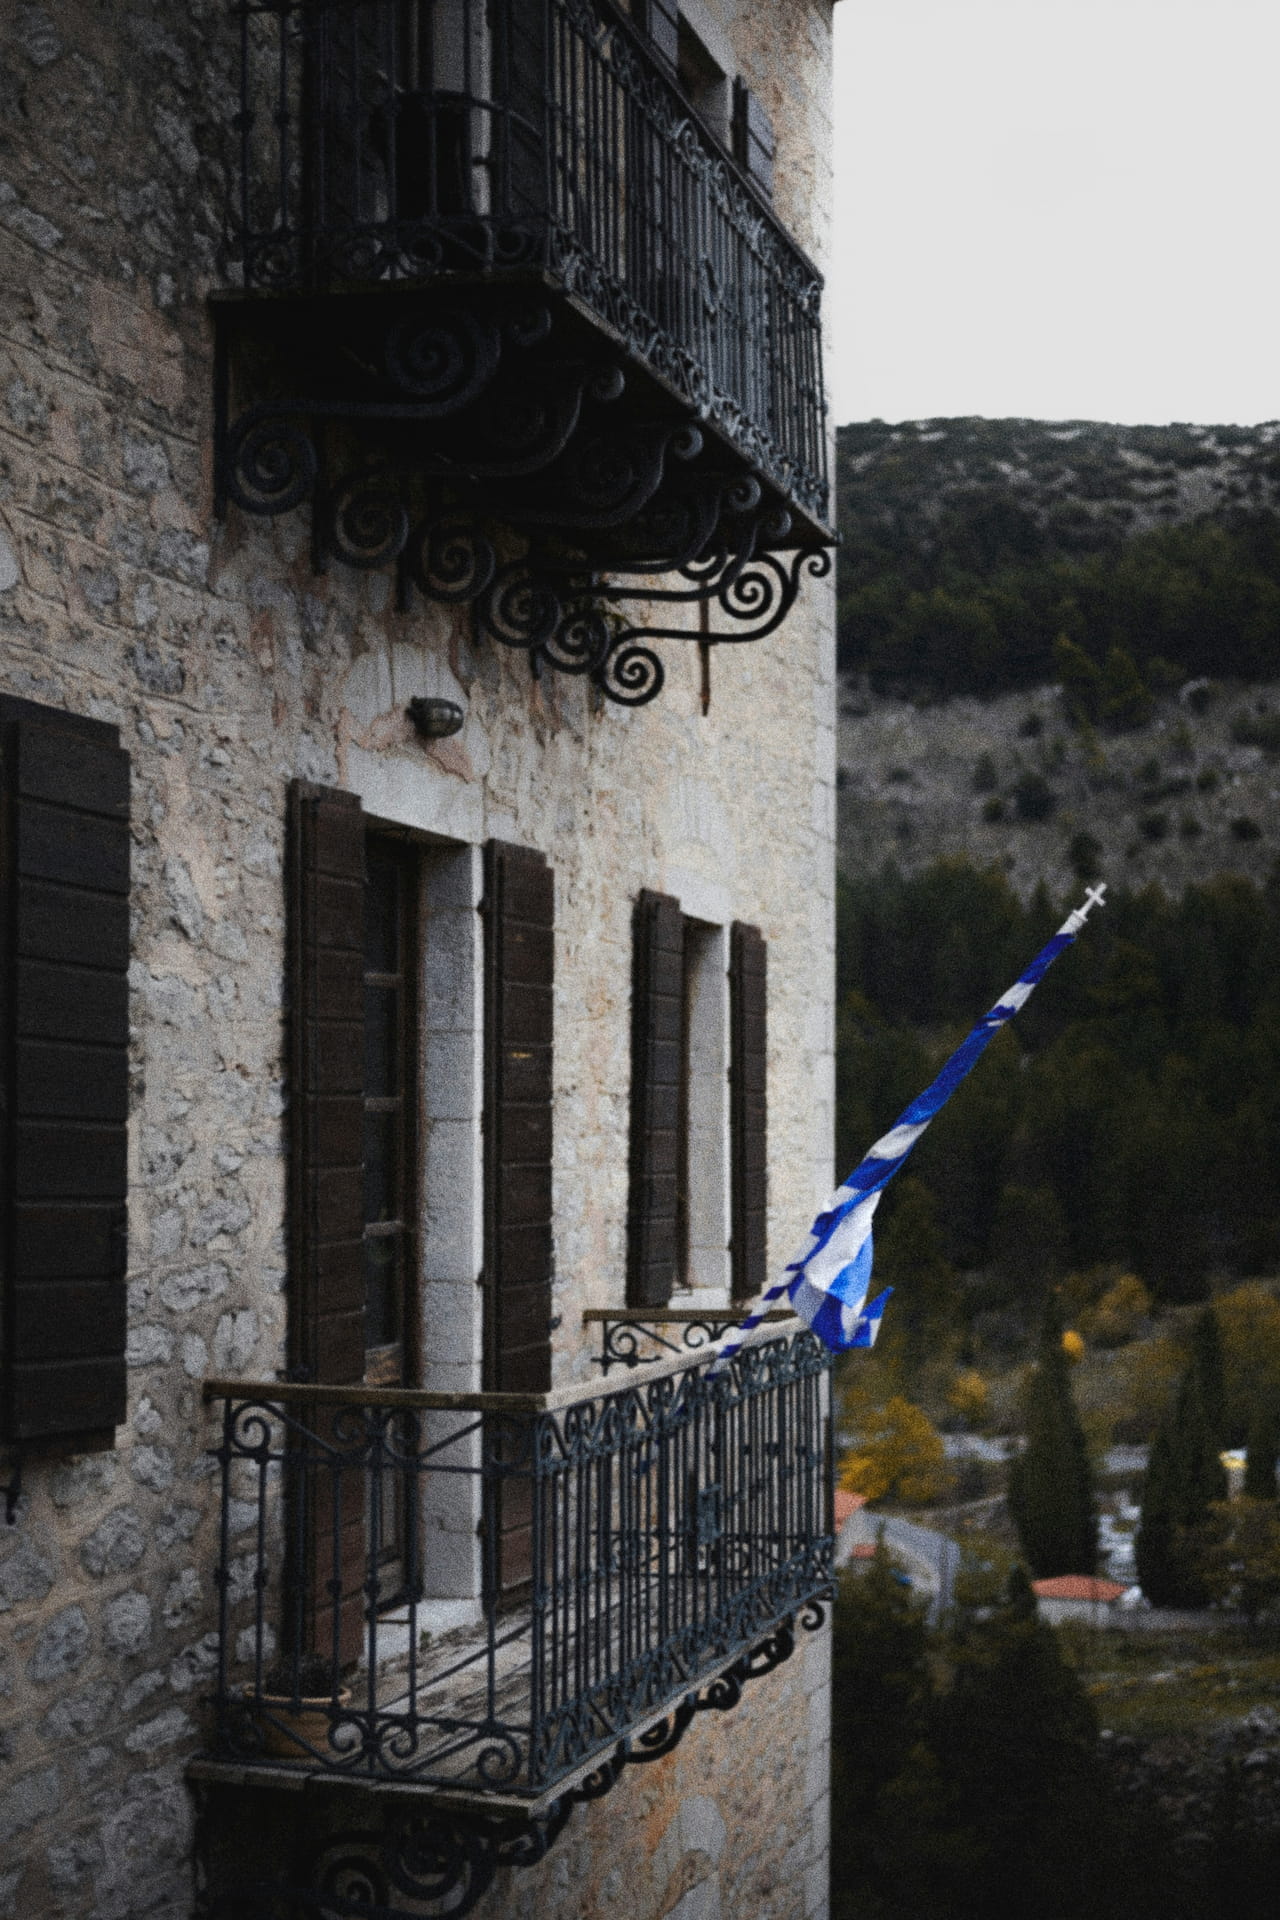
[[494, 1603], [497, 232]]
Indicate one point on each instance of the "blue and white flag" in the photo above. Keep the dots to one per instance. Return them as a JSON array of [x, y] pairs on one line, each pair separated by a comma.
[[828, 1283]]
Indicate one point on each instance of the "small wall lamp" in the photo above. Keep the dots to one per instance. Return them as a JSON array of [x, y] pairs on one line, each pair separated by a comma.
[[435, 719]]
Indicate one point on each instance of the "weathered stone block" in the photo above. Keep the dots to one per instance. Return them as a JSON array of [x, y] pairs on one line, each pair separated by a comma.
[[117, 1543], [61, 1646], [126, 1622], [26, 1802]]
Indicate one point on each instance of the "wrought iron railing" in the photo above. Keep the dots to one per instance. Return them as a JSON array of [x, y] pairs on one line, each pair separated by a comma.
[[637, 1548], [640, 1337], [400, 140]]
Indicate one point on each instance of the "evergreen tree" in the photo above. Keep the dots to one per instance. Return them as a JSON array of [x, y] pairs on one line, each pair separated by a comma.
[[1263, 1446], [1184, 1478], [1051, 1483], [1210, 1372], [880, 1684], [1080, 678], [1016, 1740], [910, 1259], [1125, 701]]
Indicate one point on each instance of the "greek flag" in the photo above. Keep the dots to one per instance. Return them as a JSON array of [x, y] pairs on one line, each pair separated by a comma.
[[829, 1282]]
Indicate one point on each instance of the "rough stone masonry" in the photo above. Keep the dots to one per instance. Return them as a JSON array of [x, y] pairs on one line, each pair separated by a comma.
[[230, 668]]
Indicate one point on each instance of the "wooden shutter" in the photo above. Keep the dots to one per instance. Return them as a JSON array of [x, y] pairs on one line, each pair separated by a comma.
[[519, 960], [661, 21], [657, 1024], [747, 1112], [326, 1252], [519, 952], [327, 1083], [753, 143], [64, 1024]]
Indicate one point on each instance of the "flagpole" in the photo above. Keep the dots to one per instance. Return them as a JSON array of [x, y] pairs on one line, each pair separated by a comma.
[[840, 1238]]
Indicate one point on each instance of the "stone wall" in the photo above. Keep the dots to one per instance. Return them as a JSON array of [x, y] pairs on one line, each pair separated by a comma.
[[733, 1823], [229, 669], [732, 1826]]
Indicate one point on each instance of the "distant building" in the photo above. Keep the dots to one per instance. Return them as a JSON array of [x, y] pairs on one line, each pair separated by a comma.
[[1077, 1596]]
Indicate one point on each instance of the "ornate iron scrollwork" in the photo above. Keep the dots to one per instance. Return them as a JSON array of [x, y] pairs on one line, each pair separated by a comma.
[[440, 1860], [495, 453]]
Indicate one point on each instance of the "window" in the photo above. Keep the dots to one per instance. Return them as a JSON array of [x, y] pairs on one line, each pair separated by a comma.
[[702, 1227], [64, 1033], [391, 987], [704, 84], [390, 1130], [697, 1203], [659, 19]]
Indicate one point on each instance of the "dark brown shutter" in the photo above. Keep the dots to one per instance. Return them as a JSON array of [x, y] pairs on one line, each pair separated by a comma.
[[326, 1252], [519, 952], [657, 1023], [661, 21], [327, 1084], [752, 138], [747, 1112], [519, 960], [64, 1019]]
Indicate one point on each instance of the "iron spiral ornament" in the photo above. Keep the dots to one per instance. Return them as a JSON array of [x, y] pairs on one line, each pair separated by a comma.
[[269, 464]]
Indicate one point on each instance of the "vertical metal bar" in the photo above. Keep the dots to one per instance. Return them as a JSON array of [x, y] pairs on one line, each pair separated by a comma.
[[335, 1580], [564, 1487], [260, 1569], [224, 1548], [314, 106], [246, 122], [663, 1529], [356, 215], [490, 1507], [537, 1604], [373, 1467], [394, 107], [282, 124], [428, 83], [409, 1502], [581, 1568]]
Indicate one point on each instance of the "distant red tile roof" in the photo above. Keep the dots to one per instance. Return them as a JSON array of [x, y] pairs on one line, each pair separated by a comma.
[[865, 1550], [846, 1505], [1077, 1586]]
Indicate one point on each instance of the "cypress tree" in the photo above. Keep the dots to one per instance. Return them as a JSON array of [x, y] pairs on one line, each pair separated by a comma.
[[1051, 1483], [881, 1684], [1017, 1742], [1211, 1374], [1263, 1445], [1184, 1477]]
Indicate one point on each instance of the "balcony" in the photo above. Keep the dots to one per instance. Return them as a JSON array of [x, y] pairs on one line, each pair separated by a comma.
[[492, 1604], [515, 323]]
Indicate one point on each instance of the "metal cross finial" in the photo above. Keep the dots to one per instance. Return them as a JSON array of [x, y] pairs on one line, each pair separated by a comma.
[[1094, 897]]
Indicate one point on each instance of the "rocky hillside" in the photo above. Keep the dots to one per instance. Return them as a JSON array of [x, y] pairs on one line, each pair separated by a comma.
[[971, 549], [1082, 484], [1008, 781]]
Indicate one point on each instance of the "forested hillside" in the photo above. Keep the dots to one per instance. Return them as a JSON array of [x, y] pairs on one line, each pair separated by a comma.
[[1061, 648], [1131, 1114], [971, 546]]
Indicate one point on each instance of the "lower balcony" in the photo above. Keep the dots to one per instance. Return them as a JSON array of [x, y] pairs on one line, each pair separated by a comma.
[[484, 1607]]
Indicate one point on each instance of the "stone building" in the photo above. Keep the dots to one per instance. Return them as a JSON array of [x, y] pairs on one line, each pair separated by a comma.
[[415, 987]]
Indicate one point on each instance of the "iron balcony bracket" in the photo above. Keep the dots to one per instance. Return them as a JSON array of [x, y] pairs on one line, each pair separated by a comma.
[[638, 1338], [489, 449], [442, 1860]]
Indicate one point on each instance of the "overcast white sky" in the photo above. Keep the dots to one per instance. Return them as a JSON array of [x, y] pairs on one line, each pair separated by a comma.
[[1058, 208]]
